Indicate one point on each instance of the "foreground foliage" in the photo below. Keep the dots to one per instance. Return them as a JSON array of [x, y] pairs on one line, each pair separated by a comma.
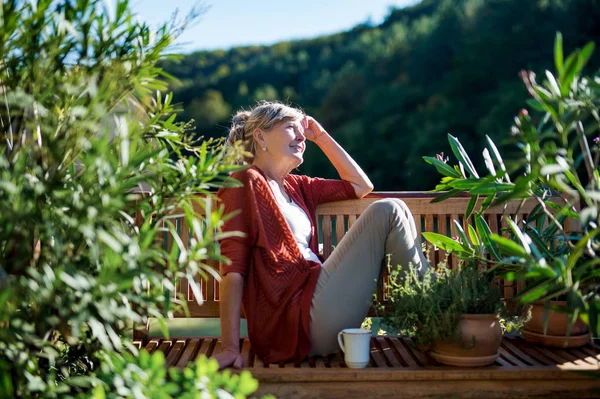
[[85, 131]]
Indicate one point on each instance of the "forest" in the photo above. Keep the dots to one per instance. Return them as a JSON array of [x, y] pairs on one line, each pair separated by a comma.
[[390, 93]]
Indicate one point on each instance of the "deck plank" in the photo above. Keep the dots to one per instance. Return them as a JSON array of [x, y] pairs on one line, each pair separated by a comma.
[[512, 359], [537, 355], [205, 347], [152, 345], [404, 353], [165, 346], [189, 352], [386, 353], [387, 350], [593, 360], [570, 357], [176, 352], [557, 360], [377, 357], [520, 354], [411, 347]]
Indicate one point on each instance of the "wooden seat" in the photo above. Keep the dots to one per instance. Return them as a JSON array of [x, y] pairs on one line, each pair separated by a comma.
[[397, 368]]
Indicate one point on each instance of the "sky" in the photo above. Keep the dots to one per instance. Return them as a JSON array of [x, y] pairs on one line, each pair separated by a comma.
[[230, 23]]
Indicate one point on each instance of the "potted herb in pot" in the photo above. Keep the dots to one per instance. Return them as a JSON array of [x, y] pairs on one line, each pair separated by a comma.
[[455, 313]]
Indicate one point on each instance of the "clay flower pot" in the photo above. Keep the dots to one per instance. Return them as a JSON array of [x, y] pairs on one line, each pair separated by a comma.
[[481, 336], [556, 335]]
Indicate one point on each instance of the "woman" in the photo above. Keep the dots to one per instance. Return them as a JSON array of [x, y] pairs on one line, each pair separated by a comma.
[[295, 303]]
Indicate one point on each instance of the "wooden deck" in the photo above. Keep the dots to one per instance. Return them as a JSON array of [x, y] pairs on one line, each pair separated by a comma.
[[398, 370]]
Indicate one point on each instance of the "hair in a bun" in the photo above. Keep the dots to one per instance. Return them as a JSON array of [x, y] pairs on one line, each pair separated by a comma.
[[238, 125], [264, 116]]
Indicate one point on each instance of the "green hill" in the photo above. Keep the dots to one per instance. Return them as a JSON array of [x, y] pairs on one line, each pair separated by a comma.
[[390, 93]]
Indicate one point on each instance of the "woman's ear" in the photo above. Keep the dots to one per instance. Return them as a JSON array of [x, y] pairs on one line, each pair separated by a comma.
[[258, 136]]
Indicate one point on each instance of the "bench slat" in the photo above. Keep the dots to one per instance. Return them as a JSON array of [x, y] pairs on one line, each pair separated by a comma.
[[327, 236], [442, 221], [453, 233], [339, 228]]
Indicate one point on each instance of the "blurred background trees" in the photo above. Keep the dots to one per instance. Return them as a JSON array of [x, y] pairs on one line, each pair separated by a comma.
[[390, 93]]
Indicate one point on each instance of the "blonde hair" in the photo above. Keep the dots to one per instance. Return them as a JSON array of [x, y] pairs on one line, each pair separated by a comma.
[[264, 116]]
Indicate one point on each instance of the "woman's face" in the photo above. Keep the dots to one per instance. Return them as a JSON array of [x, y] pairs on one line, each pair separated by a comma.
[[286, 143]]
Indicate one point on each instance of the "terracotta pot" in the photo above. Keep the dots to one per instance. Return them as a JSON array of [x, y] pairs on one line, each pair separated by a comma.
[[557, 322], [556, 334], [481, 336]]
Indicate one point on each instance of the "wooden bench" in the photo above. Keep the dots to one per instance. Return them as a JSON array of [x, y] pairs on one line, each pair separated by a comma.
[[396, 368]]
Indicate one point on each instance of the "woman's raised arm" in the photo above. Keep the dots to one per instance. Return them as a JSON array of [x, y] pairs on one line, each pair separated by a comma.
[[347, 168]]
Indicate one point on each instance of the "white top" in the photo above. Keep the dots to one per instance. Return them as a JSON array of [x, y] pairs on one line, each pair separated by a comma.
[[299, 224]]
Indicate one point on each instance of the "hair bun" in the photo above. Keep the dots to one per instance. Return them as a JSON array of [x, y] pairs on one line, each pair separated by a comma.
[[238, 124]]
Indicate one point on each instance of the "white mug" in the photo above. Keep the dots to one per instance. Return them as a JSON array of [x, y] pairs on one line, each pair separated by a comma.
[[354, 342]]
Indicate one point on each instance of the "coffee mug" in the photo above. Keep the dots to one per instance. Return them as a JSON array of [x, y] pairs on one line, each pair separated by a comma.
[[354, 342]]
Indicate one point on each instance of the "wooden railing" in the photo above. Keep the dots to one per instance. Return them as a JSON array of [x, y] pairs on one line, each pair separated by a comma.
[[335, 219]]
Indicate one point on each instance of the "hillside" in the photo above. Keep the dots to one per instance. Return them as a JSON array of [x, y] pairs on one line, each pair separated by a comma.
[[390, 93]]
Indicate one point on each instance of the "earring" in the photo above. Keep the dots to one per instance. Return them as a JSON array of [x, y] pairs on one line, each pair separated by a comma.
[[264, 148]]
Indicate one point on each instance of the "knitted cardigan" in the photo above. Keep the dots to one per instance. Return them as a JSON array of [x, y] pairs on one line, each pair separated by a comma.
[[278, 281]]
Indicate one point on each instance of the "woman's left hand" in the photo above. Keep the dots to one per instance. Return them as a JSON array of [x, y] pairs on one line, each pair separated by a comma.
[[312, 129]]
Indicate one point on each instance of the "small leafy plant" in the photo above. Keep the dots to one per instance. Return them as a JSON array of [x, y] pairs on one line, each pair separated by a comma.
[[430, 307]]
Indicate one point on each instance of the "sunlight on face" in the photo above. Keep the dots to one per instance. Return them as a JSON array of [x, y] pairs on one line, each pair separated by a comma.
[[286, 142]]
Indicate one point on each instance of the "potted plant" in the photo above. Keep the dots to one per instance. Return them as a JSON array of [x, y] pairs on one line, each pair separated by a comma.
[[453, 313], [558, 168]]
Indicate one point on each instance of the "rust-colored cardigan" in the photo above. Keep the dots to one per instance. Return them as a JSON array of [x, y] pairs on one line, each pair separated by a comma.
[[278, 281]]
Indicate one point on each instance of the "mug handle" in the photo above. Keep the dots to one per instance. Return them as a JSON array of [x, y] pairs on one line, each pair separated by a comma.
[[340, 341]]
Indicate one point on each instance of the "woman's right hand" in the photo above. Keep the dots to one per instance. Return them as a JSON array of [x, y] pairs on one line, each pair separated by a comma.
[[229, 357]]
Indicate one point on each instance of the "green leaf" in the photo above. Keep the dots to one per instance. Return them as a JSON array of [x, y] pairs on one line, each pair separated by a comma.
[[461, 155], [446, 195], [464, 184], [562, 210], [508, 247], [487, 202], [491, 188], [570, 71], [540, 244], [488, 162], [471, 206], [462, 235], [542, 290], [578, 251], [497, 157], [473, 236], [553, 84], [484, 232], [442, 167], [558, 54], [533, 103], [525, 239], [442, 241], [584, 57]]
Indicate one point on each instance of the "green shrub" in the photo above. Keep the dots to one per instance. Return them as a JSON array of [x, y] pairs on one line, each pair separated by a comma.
[[85, 130], [554, 161]]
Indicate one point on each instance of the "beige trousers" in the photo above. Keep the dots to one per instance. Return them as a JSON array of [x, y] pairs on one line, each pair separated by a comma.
[[349, 276]]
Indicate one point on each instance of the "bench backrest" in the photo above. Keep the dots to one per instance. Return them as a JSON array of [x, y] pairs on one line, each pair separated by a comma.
[[336, 217]]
